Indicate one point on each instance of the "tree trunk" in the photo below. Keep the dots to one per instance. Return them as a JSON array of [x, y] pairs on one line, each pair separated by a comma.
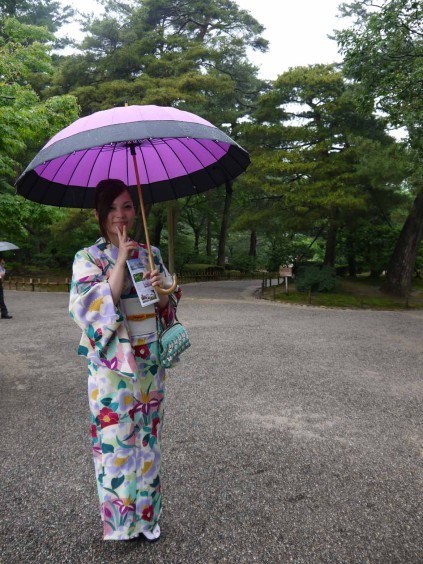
[[139, 228], [157, 229], [330, 251], [208, 238], [401, 265], [350, 252], [224, 225], [253, 244], [172, 211], [197, 233], [209, 228]]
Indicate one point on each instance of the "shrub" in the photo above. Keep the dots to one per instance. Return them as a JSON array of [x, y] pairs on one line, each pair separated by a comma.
[[316, 279], [215, 269], [199, 267]]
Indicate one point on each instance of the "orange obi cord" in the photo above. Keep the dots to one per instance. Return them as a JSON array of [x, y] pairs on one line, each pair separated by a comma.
[[140, 316]]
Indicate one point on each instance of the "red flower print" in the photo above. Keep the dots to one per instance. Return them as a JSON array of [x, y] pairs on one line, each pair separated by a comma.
[[141, 351], [147, 513], [108, 417], [156, 421], [94, 431]]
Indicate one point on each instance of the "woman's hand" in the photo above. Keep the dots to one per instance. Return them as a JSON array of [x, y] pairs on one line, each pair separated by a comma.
[[117, 275], [157, 281], [126, 246], [155, 278]]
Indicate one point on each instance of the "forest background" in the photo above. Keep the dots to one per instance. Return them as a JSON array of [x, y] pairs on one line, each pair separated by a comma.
[[329, 184]]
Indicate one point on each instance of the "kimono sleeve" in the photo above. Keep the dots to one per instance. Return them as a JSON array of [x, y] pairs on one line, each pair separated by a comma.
[[166, 315], [91, 303]]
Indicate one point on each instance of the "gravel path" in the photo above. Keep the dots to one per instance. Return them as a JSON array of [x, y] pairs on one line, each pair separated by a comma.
[[292, 434]]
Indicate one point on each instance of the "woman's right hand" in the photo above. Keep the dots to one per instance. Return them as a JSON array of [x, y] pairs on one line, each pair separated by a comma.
[[117, 274], [126, 246]]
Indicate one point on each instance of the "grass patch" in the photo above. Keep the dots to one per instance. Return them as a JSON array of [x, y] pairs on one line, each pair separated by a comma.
[[358, 293]]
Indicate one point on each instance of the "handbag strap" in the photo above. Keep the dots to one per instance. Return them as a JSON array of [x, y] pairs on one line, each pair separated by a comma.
[[159, 324]]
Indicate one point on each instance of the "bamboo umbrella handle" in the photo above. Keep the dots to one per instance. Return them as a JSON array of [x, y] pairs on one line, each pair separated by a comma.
[[164, 291]]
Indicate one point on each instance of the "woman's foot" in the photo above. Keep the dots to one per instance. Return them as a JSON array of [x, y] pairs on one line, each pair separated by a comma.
[[154, 535]]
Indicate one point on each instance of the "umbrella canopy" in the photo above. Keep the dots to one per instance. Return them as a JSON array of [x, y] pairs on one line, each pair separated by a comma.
[[6, 246], [178, 154]]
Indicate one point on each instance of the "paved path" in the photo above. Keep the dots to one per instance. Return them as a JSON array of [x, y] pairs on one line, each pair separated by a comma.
[[292, 434]]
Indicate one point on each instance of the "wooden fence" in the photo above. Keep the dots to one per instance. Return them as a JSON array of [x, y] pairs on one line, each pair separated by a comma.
[[186, 277], [63, 284], [37, 284]]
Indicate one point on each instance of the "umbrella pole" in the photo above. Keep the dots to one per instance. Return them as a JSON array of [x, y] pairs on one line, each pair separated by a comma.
[[165, 291]]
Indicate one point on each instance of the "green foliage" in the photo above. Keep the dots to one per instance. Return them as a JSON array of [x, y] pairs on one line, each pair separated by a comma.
[[371, 243], [199, 267], [74, 230], [383, 50], [25, 121], [243, 262], [183, 248], [192, 55], [318, 158], [316, 279], [287, 249], [25, 124], [50, 14]]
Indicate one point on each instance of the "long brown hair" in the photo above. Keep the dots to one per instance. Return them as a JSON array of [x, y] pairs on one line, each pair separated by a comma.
[[106, 193]]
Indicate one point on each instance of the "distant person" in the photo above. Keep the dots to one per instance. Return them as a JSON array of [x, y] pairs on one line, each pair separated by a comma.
[[3, 308], [126, 383]]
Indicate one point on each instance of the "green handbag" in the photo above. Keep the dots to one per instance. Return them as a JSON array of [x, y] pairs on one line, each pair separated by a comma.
[[173, 341]]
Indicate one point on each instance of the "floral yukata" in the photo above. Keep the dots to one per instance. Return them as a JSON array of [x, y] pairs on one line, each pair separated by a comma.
[[125, 387]]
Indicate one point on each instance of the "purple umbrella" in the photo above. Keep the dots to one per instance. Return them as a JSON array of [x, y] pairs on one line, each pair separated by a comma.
[[169, 152], [178, 154]]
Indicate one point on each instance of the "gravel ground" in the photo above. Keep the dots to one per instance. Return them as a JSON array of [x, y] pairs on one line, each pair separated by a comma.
[[292, 434]]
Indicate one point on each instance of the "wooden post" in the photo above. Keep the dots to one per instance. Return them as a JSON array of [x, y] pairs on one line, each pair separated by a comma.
[[169, 290]]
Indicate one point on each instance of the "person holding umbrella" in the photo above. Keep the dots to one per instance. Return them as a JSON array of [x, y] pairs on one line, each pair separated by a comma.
[[3, 308], [161, 154], [126, 384]]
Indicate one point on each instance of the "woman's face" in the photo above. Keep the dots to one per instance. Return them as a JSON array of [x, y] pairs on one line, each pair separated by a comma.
[[122, 212]]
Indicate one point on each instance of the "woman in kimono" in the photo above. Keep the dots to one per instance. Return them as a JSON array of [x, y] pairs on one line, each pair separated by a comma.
[[126, 384]]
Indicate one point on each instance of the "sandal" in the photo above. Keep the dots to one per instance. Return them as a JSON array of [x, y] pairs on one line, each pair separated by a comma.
[[154, 535]]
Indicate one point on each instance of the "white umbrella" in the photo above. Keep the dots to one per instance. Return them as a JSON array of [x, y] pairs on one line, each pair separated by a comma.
[[5, 246]]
